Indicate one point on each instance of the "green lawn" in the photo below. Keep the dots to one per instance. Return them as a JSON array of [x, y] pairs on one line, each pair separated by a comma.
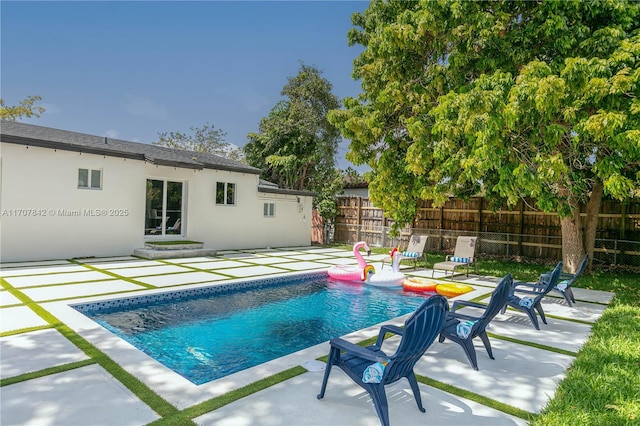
[[602, 387]]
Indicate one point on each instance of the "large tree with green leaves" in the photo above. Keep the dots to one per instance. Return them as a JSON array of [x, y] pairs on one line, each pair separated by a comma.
[[502, 98], [296, 145], [27, 108], [207, 138]]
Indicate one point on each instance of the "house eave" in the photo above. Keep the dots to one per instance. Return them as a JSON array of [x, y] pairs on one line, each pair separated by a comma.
[[269, 190], [19, 140]]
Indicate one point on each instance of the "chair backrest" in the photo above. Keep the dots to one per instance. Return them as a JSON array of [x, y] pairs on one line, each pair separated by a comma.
[[417, 244], [582, 267], [549, 281], [499, 297], [465, 247], [176, 225], [420, 330]]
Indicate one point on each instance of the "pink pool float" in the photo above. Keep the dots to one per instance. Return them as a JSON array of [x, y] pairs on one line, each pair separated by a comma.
[[352, 272]]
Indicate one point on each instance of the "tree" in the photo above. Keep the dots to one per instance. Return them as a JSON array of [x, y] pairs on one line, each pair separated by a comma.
[[352, 177], [26, 108], [296, 145], [204, 139], [507, 99]]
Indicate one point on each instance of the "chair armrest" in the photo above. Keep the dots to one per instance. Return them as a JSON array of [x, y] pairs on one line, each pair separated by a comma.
[[523, 291], [388, 328], [461, 316], [566, 276], [466, 303], [532, 287], [448, 258], [359, 351]]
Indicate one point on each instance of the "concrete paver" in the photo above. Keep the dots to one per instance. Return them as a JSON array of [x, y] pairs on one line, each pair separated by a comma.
[[63, 278], [521, 375], [37, 350], [84, 396], [66, 291], [149, 270], [179, 279], [7, 299], [19, 317], [41, 270], [344, 403]]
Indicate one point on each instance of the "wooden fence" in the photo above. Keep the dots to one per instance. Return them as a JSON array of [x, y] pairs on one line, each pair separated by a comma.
[[518, 231]]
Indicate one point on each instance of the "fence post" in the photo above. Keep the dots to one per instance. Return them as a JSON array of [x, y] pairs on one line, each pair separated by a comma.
[[615, 252], [508, 245]]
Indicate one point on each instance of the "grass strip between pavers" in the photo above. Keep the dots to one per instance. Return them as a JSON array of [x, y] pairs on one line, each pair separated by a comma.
[[25, 330], [187, 415], [532, 344], [46, 372], [487, 402], [113, 274], [142, 391]]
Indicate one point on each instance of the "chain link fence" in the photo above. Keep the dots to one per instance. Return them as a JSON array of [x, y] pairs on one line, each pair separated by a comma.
[[607, 252]]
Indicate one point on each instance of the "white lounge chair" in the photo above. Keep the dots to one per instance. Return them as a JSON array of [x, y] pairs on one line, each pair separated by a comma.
[[463, 256], [414, 251]]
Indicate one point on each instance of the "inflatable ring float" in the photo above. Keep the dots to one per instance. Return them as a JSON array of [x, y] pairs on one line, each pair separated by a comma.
[[453, 290], [419, 284]]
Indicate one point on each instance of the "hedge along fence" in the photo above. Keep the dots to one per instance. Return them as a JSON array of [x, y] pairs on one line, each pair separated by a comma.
[[518, 231]]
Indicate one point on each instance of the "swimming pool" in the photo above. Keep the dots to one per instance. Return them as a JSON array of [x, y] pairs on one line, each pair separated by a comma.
[[208, 333]]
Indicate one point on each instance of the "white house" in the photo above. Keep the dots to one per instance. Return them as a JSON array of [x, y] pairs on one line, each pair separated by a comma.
[[65, 194]]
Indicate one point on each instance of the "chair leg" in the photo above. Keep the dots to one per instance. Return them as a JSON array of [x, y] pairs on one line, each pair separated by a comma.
[[533, 318], [467, 345], [570, 293], [416, 390], [380, 402], [567, 297], [538, 308], [487, 344], [327, 370]]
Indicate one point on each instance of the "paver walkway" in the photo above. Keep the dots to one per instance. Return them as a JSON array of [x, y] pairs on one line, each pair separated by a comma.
[[47, 379]]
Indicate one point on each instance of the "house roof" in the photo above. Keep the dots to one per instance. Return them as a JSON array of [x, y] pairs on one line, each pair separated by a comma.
[[45, 137]]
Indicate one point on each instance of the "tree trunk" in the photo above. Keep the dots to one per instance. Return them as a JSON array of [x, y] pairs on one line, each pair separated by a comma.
[[572, 241], [591, 222]]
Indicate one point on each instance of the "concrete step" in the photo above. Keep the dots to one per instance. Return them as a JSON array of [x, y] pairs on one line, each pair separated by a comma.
[[175, 245], [172, 253]]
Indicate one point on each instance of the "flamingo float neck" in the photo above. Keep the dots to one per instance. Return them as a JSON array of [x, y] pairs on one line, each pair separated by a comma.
[[356, 252]]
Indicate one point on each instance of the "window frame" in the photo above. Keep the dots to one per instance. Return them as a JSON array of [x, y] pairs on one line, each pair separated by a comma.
[[269, 210], [90, 176], [229, 190]]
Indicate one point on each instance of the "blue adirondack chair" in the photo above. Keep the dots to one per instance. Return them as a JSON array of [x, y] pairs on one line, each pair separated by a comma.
[[418, 333], [462, 328], [566, 280], [526, 297]]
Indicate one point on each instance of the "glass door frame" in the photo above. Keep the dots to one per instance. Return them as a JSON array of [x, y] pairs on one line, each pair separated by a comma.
[[163, 229]]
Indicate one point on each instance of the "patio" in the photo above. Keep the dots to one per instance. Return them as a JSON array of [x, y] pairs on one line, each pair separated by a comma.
[[58, 367]]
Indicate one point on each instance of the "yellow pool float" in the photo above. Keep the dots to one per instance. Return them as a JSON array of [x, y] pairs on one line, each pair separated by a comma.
[[453, 290], [419, 284]]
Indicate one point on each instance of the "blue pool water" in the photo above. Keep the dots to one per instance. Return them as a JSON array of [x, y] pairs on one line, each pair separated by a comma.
[[205, 338]]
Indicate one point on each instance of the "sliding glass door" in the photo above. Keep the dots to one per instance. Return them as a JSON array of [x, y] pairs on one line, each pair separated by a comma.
[[164, 208]]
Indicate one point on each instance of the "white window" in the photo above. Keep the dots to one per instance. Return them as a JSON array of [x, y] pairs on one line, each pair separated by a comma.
[[89, 179], [225, 193], [269, 210]]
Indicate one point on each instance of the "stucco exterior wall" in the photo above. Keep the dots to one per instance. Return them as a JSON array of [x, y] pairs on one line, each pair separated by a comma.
[[44, 215]]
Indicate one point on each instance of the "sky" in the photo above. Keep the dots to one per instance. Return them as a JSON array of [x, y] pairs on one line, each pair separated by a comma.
[[131, 70]]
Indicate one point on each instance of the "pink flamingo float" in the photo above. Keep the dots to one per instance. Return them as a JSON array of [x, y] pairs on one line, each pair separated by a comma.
[[352, 272]]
